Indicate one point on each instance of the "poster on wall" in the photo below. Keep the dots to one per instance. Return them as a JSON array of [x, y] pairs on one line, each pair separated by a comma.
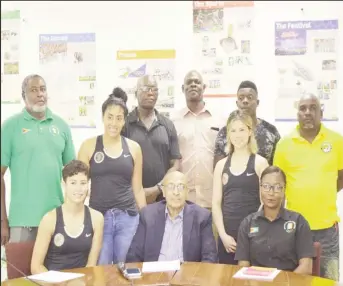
[[68, 64], [306, 54], [222, 45], [133, 64], [10, 57]]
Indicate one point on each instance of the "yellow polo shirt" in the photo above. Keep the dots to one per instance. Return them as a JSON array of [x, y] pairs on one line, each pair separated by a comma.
[[312, 172]]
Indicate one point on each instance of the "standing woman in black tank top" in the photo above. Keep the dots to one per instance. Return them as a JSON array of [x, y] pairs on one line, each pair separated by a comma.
[[236, 184], [116, 179], [69, 236]]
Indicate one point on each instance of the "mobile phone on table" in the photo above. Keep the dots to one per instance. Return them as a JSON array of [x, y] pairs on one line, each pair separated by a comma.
[[129, 273], [133, 273]]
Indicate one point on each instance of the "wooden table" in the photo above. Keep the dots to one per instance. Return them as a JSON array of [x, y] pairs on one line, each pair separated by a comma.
[[103, 276], [205, 274], [190, 274]]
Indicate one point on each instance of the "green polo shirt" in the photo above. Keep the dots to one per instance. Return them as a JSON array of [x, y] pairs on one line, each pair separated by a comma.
[[35, 151]]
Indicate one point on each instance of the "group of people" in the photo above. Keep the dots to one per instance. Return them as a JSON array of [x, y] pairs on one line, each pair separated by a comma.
[[156, 183]]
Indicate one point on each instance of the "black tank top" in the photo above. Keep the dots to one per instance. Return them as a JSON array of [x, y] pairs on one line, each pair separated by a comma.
[[240, 195], [66, 252], [111, 180]]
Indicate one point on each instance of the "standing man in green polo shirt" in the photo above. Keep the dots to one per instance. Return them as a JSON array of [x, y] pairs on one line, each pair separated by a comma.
[[35, 145]]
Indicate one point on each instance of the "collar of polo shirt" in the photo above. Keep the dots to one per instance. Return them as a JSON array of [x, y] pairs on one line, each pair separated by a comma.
[[28, 116], [133, 116], [296, 134], [282, 214]]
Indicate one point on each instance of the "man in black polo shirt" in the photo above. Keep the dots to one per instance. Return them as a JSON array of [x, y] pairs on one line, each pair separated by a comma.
[[156, 135]]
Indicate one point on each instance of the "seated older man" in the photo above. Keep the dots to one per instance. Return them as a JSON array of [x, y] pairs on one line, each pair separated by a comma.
[[174, 228]]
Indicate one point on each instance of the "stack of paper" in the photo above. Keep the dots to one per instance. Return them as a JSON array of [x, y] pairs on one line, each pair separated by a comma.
[[257, 273], [55, 276], [161, 266]]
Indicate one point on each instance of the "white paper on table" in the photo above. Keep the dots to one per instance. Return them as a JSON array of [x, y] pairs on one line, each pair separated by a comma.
[[161, 266], [55, 276]]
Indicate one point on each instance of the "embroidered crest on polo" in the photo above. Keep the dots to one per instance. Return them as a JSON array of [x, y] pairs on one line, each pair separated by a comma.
[[99, 157], [58, 239], [54, 130], [326, 147], [289, 226]]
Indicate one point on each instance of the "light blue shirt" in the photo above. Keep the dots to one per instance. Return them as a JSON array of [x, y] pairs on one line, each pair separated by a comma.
[[172, 244]]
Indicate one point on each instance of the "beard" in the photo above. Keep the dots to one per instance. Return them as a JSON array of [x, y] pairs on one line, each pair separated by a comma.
[[37, 108]]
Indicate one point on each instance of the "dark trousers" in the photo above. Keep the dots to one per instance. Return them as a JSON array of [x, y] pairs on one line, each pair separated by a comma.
[[329, 260], [224, 256]]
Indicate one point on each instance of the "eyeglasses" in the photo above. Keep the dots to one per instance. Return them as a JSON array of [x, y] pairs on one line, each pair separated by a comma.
[[148, 88], [171, 187], [277, 189]]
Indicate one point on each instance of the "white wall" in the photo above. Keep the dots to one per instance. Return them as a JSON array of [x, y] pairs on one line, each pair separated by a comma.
[[161, 25]]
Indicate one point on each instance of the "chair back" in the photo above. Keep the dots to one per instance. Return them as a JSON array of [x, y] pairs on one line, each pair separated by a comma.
[[316, 259], [19, 254]]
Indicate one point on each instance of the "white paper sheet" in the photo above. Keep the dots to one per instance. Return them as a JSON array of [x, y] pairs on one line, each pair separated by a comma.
[[161, 266], [55, 276]]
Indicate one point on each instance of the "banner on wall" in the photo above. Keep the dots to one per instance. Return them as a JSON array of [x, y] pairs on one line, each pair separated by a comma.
[[10, 57], [68, 64], [306, 54], [222, 45], [133, 64]]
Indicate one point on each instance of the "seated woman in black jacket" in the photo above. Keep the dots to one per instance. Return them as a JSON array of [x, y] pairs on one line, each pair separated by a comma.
[[275, 237]]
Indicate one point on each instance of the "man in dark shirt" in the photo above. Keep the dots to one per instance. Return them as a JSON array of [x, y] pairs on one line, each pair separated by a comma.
[[156, 135], [266, 134]]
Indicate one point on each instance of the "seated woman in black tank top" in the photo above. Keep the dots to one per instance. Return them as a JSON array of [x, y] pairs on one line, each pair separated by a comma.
[[236, 184], [69, 236], [116, 179]]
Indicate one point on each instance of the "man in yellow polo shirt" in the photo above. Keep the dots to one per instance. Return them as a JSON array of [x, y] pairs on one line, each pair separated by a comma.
[[35, 145], [312, 158]]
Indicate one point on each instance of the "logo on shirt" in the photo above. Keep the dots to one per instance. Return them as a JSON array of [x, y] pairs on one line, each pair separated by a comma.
[[54, 130], [225, 178], [58, 239], [254, 230], [289, 226], [25, 130], [326, 147], [88, 234], [99, 157]]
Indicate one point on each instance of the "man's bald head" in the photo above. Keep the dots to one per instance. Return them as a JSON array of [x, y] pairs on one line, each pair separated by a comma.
[[309, 113], [174, 176], [309, 96], [193, 73], [146, 80]]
